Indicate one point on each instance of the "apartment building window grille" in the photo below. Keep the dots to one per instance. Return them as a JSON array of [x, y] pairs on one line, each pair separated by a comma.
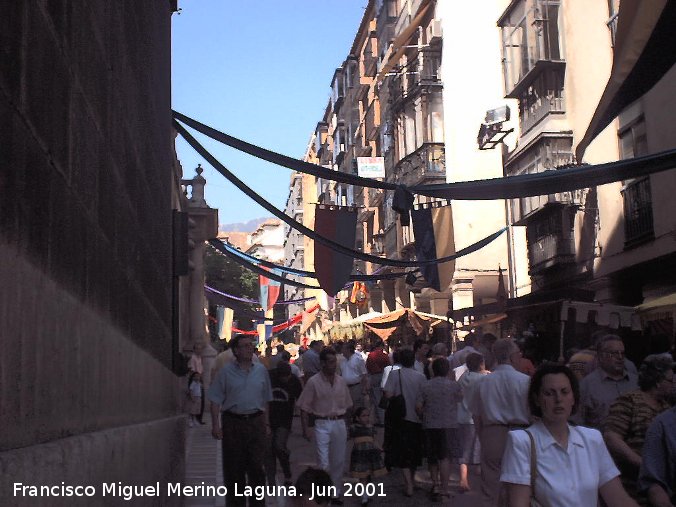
[[636, 193], [530, 38]]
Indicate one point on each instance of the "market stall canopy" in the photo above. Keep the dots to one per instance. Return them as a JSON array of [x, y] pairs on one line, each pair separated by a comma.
[[359, 320], [485, 321], [659, 304], [612, 316], [387, 324]]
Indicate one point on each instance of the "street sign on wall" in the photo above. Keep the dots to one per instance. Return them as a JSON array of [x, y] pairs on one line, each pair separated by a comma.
[[371, 167]]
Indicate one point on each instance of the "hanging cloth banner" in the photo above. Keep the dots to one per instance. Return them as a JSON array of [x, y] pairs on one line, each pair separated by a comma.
[[645, 49], [255, 301], [434, 239], [220, 314], [269, 289], [285, 325], [242, 309], [224, 325], [339, 224], [509, 187]]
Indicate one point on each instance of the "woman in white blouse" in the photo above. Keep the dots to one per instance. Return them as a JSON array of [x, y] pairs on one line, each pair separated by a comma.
[[573, 464]]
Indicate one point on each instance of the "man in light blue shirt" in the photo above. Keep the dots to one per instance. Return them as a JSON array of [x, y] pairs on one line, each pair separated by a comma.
[[239, 397]]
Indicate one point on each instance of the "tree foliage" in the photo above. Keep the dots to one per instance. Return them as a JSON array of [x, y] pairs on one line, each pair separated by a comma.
[[228, 276]]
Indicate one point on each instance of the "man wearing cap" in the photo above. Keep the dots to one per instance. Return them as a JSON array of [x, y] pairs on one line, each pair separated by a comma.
[[327, 398], [239, 396]]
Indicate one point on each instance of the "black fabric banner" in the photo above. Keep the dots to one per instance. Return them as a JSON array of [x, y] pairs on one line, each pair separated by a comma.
[[340, 225], [309, 232], [510, 187]]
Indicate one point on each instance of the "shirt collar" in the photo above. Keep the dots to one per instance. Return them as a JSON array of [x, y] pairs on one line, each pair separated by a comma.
[[547, 440], [606, 376], [504, 366]]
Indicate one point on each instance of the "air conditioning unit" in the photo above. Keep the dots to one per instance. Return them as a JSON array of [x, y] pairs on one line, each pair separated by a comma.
[[434, 32]]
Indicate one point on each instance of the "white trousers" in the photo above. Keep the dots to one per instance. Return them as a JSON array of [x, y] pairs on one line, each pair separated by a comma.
[[331, 439]]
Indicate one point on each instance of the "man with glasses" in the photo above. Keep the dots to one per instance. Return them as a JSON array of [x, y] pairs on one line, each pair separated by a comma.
[[601, 387]]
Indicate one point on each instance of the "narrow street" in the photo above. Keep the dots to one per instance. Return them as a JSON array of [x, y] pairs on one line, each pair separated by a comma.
[[203, 455]]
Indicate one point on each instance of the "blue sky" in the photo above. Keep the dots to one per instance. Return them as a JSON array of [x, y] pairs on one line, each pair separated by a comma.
[[259, 70]]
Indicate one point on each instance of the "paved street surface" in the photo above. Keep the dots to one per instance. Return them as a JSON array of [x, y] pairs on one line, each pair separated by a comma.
[[203, 457]]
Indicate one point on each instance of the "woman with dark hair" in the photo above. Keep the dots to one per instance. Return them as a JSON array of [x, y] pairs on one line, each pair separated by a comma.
[[402, 443], [572, 465], [630, 416]]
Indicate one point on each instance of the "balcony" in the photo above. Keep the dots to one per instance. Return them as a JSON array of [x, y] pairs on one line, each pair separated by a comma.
[[550, 237], [426, 165], [523, 209], [544, 106], [546, 153], [418, 78], [638, 213], [548, 251]]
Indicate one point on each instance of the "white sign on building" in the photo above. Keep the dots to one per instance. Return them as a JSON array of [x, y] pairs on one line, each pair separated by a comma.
[[371, 167]]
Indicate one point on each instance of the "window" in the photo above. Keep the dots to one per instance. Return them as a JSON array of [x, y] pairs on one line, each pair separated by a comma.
[[530, 34], [337, 89], [636, 194], [633, 139]]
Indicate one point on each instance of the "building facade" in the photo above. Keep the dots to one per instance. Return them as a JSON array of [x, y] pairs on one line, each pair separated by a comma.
[[94, 259]]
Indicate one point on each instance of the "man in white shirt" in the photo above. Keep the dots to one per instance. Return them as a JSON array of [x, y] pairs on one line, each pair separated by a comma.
[[499, 404], [327, 398], [355, 375]]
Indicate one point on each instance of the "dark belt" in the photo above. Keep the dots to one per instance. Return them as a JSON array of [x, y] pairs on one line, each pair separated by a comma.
[[330, 417], [355, 384], [243, 416], [510, 425]]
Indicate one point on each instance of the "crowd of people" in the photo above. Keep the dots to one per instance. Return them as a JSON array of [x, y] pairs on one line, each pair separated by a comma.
[[553, 435]]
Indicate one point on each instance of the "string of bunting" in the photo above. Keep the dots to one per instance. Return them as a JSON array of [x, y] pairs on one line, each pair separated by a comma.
[[255, 301], [311, 274], [280, 327]]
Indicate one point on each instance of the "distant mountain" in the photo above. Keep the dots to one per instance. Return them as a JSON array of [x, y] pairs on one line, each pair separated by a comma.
[[249, 226]]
